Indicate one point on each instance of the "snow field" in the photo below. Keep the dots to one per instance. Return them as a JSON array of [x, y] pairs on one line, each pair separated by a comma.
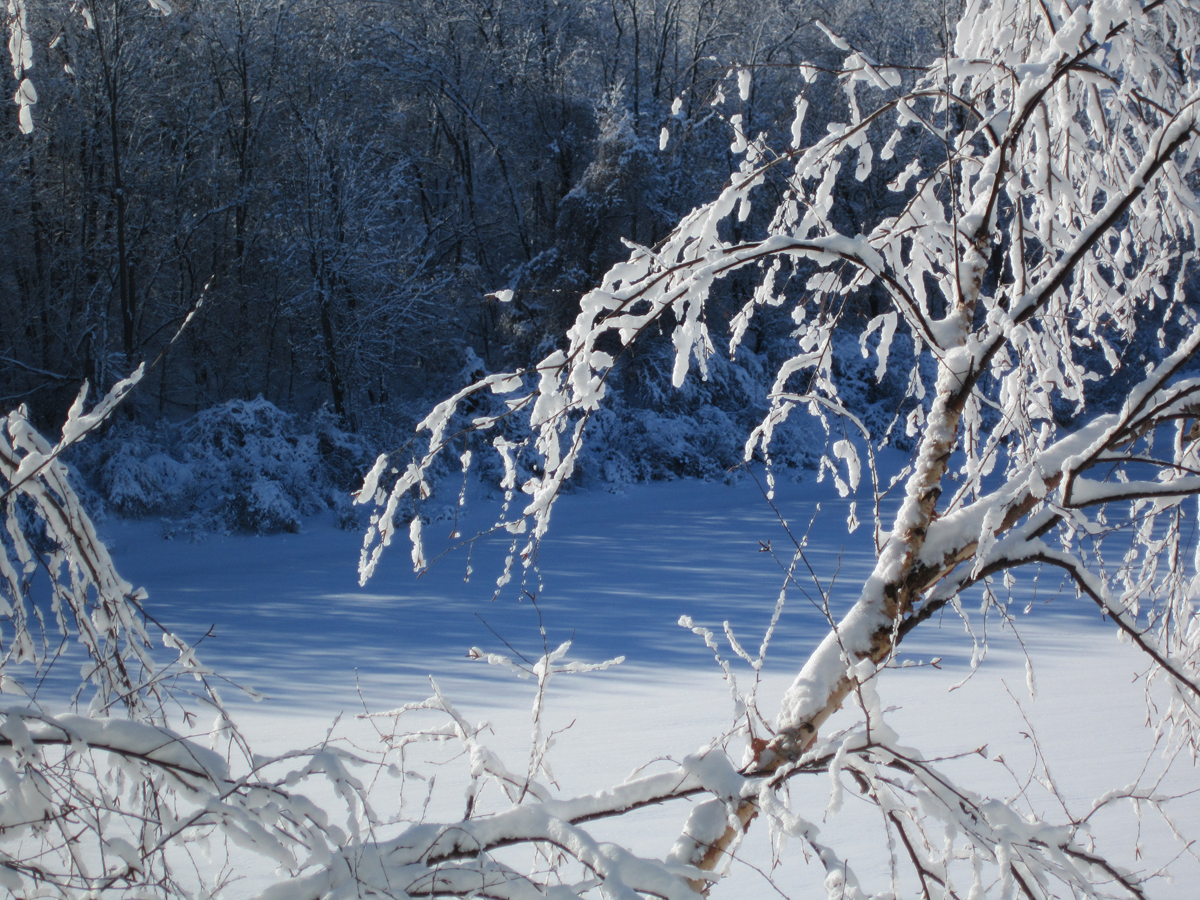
[[620, 570]]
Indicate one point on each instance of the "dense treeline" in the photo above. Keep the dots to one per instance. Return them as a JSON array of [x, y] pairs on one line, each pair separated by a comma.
[[353, 179]]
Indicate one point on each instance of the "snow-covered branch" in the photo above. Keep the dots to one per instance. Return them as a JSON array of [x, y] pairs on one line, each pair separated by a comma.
[[1040, 246]]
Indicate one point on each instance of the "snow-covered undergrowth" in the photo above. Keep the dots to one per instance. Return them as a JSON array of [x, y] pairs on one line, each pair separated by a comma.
[[249, 466], [245, 465], [650, 431]]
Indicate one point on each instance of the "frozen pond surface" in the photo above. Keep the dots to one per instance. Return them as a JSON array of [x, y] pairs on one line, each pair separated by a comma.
[[618, 570]]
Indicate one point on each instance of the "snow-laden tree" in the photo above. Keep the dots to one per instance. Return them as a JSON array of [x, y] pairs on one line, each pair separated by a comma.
[[1035, 260], [142, 786], [1034, 263]]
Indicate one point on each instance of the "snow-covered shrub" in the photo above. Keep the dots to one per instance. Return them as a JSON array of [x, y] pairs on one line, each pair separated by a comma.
[[245, 465], [254, 469], [649, 431], [628, 444], [139, 478]]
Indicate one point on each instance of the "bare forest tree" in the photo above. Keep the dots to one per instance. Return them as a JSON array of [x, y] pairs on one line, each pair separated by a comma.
[[1028, 276], [330, 170]]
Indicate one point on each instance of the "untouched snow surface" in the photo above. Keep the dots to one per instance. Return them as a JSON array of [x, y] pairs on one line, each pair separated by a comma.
[[616, 573]]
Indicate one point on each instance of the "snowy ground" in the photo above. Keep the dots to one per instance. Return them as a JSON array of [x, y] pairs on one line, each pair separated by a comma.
[[287, 617]]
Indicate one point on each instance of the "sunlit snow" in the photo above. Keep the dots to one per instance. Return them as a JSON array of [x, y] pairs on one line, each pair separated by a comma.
[[615, 575]]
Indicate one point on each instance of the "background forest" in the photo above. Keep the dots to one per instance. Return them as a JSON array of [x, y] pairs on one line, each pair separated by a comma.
[[354, 182]]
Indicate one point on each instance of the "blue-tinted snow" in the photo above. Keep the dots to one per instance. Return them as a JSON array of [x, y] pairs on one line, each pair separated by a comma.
[[618, 570]]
